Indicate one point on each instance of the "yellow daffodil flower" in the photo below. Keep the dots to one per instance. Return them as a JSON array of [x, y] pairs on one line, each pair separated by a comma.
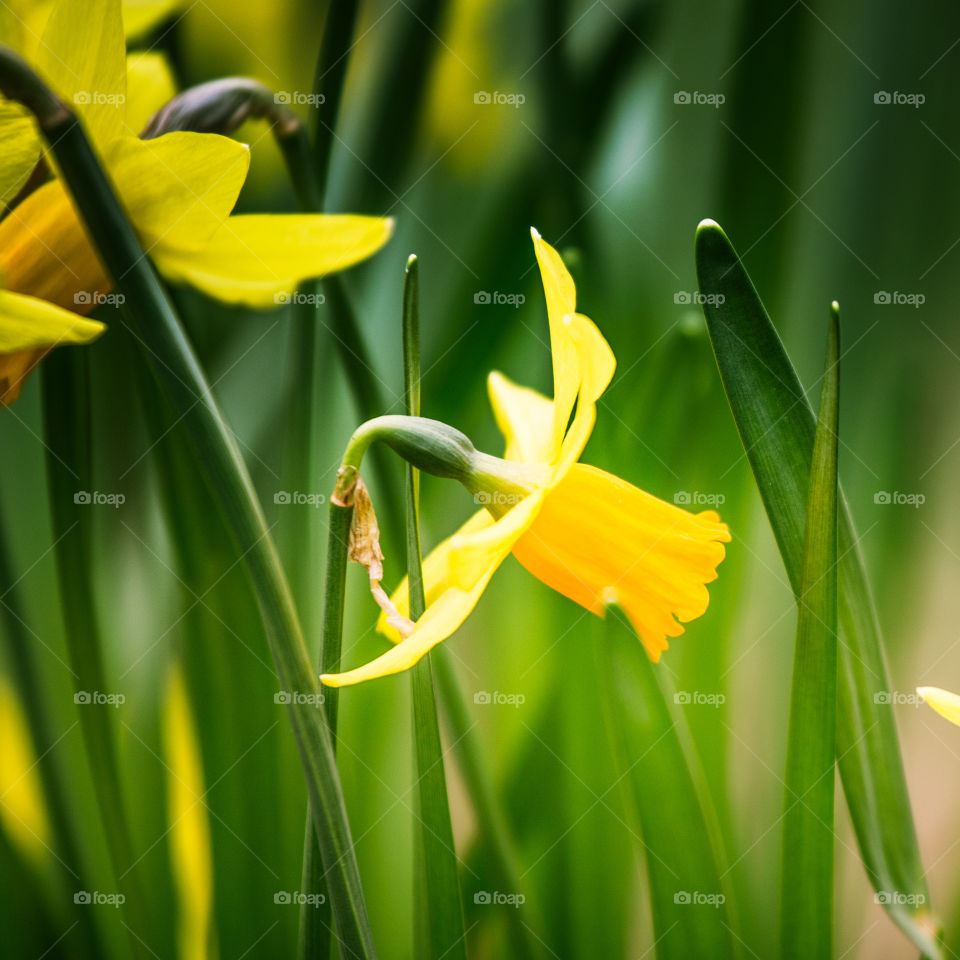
[[945, 703], [588, 534], [23, 812], [179, 191], [190, 850]]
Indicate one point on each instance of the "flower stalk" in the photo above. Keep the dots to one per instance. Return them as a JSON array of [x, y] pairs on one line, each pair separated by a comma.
[[437, 890]]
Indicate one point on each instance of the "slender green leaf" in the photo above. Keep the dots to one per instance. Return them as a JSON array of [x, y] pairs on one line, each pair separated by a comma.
[[66, 404], [314, 937], [437, 895], [691, 916], [328, 79], [807, 881], [776, 426], [22, 647]]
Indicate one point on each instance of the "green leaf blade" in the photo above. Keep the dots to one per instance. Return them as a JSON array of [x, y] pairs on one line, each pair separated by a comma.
[[776, 426], [807, 878], [437, 890], [688, 895]]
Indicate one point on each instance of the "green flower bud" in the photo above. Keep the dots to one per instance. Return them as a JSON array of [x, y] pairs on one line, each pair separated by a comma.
[[440, 450]]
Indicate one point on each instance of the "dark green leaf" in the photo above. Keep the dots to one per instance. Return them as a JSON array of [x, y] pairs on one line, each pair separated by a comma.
[[776, 426]]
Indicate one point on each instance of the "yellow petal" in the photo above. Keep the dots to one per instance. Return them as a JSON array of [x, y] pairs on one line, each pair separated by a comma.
[[141, 16], [561, 296], [254, 259], [14, 370], [23, 812], [455, 575], [598, 539], [594, 357], [179, 188], [583, 363], [27, 322], [442, 618], [45, 252], [472, 554], [19, 150], [83, 56], [525, 418], [436, 573], [597, 364], [29, 328], [150, 85], [190, 851], [945, 703]]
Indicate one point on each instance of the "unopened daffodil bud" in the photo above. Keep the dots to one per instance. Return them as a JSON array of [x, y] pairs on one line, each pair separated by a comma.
[[221, 106], [440, 450]]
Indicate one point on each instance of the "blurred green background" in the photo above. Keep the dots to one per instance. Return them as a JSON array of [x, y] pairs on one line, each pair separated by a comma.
[[614, 127]]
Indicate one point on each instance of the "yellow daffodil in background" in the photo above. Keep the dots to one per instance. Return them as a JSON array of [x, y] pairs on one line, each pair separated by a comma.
[[179, 191], [945, 703], [588, 534], [190, 850], [23, 813]]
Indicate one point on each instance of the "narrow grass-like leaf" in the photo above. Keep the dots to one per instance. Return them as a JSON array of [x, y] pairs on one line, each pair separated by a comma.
[[688, 899], [22, 649], [314, 936], [328, 79], [777, 428], [437, 894], [66, 405], [806, 888], [494, 837]]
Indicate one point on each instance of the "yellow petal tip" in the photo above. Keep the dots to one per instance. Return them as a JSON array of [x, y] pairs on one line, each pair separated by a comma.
[[535, 233]]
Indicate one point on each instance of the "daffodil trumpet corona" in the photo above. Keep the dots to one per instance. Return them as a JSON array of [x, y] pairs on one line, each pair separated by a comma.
[[590, 535], [179, 190]]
